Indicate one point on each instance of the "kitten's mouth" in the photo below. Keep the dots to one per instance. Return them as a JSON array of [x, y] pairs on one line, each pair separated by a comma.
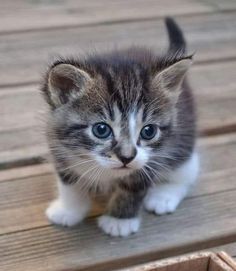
[[123, 168]]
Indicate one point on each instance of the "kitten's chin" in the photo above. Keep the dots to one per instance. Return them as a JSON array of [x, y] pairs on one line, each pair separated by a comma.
[[120, 172]]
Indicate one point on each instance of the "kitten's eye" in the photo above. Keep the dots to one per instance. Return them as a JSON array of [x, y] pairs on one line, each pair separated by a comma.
[[101, 130], [149, 131]]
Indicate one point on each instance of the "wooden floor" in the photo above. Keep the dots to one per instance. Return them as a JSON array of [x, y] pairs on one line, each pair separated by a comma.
[[33, 33]]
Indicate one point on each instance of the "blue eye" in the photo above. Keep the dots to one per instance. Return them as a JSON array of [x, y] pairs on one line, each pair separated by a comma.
[[101, 130], [148, 132]]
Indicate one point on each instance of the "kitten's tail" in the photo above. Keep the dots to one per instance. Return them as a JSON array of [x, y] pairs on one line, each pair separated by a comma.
[[177, 43]]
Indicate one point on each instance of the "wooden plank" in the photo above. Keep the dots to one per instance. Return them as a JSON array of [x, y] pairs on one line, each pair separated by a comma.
[[28, 155], [227, 259], [26, 171], [194, 261], [212, 36], [25, 208], [20, 197], [15, 16], [22, 112], [211, 221], [229, 248], [216, 264], [222, 5], [199, 261]]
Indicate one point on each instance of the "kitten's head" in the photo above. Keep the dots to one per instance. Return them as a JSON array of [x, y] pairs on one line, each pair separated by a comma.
[[114, 112]]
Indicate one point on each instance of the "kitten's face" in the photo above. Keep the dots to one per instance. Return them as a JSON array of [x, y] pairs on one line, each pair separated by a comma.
[[113, 140], [114, 125]]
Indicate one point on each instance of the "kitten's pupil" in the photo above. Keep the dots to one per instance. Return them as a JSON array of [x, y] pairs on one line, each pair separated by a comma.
[[149, 131], [102, 130]]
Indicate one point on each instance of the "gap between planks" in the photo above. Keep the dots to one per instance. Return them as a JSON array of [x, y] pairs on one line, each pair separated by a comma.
[[210, 223], [201, 32], [74, 14]]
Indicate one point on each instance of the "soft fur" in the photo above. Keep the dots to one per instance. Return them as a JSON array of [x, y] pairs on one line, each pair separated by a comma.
[[127, 90]]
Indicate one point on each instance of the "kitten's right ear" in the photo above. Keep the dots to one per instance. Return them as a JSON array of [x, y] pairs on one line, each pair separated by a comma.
[[171, 78], [64, 82]]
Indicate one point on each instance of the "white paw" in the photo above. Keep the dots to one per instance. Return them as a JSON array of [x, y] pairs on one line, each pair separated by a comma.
[[161, 203], [57, 213], [118, 227]]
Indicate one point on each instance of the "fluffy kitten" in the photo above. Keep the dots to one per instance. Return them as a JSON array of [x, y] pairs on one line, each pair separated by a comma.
[[123, 122]]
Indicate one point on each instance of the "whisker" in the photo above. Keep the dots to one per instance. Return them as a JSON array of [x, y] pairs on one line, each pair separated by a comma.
[[156, 174], [162, 166], [149, 177], [78, 164], [83, 175]]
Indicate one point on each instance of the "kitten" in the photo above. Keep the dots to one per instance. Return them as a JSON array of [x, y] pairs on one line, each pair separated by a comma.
[[122, 122]]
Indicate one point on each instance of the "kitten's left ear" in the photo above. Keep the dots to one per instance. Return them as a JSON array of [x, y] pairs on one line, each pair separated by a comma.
[[66, 81], [171, 78]]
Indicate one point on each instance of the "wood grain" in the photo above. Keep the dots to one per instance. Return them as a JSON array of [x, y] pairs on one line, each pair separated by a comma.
[[61, 14], [211, 36], [211, 221], [25, 171], [201, 261], [216, 264], [227, 259], [198, 262]]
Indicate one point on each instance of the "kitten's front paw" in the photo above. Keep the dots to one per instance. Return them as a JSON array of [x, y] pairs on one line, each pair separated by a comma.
[[161, 202], [58, 214], [118, 227]]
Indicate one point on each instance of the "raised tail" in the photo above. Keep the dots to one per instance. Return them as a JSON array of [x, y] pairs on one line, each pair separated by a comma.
[[177, 43]]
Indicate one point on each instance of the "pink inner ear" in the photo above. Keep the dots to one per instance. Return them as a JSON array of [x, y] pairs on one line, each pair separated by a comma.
[[172, 77], [62, 83], [63, 80], [66, 77]]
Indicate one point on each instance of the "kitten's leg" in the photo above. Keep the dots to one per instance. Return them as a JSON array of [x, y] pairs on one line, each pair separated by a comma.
[[122, 216], [164, 198], [70, 207]]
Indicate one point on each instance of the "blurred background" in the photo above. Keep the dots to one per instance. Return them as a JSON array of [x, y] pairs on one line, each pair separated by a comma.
[[32, 34]]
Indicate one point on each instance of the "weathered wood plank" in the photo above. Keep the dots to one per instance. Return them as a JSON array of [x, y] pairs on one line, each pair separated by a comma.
[[212, 36], [30, 195], [28, 155], [21, 112], [222, 5], [204, 261], [15, 16], [24, 209], [211, 221], [26, 171]]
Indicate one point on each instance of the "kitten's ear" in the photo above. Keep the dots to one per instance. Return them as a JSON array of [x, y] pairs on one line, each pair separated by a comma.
[[171, 78], [66, 81]]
